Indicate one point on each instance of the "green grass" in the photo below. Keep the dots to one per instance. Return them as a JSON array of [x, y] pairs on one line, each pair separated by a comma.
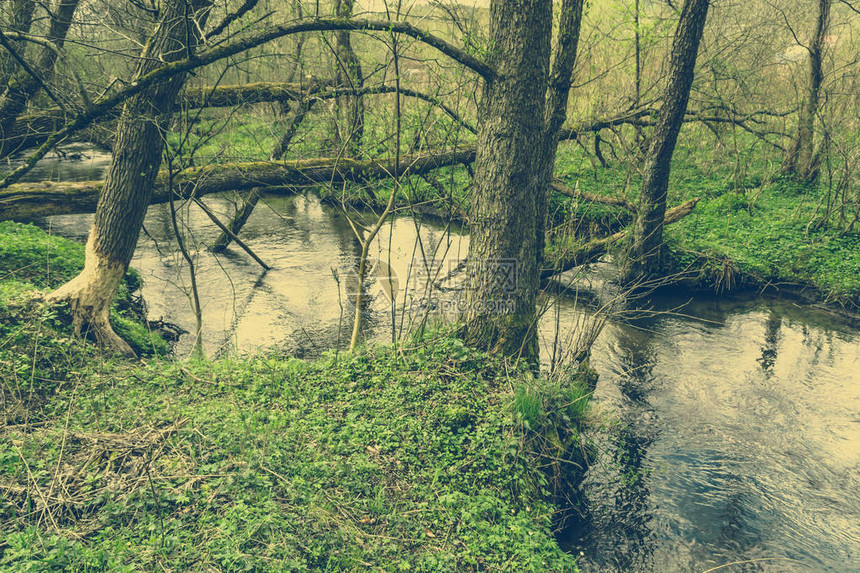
[[770, 242], [750, 227], [386, 460]]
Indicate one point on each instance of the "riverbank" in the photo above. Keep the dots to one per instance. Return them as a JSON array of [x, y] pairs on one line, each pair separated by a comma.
[[751, 229], [434, 457]]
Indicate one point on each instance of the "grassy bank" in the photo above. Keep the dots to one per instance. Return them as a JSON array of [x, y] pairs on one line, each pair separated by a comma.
[[751, 228], [433, 458]]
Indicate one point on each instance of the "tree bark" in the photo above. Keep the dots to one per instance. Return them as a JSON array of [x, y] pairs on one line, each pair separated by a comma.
[[500, 312], [133, 170], [23, 86], [558, 91], [644, 255], [801, 162]]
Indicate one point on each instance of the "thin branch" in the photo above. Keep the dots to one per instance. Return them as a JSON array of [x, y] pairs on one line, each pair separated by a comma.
[[230, 18], [4, 41], [213, 55]]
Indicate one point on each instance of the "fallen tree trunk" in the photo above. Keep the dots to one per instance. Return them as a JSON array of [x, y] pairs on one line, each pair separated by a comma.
[[590, 251], [228, 96], [28, 200], [241, 217], [32, 130]]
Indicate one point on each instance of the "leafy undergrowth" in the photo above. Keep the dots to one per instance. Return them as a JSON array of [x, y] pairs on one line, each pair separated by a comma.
[[388, 460], [431, 458], [750, 228], [39, 355], [768, 241]]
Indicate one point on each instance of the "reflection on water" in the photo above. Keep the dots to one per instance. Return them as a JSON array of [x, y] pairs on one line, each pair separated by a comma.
[[734, 430], [738, 440], [298, 305], [72, 162]]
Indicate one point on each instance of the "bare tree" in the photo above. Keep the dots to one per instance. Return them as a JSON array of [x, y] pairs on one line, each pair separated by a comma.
[[30, 79], [17, 16], [802, 161], [348, 126]]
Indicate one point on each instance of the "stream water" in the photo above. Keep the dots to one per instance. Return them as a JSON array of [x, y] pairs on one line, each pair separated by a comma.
[[732, 426]]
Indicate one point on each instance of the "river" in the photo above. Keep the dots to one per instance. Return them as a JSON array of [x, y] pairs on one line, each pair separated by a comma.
[[729, 427]]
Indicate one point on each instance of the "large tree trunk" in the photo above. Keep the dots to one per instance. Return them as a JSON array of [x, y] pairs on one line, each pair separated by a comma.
[[133, 170], [503, 273], [23, 86], [644, 255], [801, 160], [349, 110]]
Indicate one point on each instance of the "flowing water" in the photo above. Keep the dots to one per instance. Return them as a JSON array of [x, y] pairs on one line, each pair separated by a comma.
[[732, 426], [736, 438]]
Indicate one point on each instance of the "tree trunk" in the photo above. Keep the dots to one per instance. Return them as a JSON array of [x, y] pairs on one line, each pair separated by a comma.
[[349, 110], [570, 21], [297, 115], [589, 252], [133, 170], [801, 161], [644, 254], [637, 72], [243, 213], [500, 310], [23, 86], [28, 200]]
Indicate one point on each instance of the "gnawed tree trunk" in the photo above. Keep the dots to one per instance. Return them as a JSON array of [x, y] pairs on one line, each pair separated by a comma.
[[28, 200], [348, 129], [500, 310], [133, 170], [644, 254], [802, 162], [23, 86]]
